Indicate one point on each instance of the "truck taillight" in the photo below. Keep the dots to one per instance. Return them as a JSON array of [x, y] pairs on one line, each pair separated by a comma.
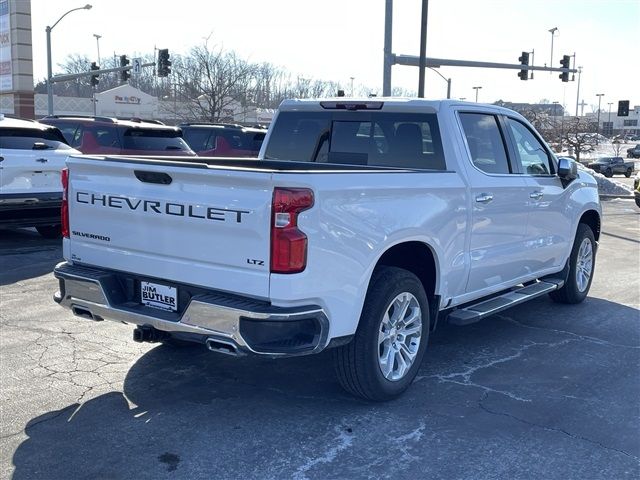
[[65, 202], [288, 242]]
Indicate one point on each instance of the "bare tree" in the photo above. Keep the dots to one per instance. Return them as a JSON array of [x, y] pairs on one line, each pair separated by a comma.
[[578, 135], [212, 82], [616, 146]]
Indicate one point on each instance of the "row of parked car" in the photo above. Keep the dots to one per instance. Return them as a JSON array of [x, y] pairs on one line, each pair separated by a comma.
[[32, 154]]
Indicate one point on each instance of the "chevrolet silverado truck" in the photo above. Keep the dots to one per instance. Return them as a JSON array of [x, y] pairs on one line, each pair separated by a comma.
[[360, 225]]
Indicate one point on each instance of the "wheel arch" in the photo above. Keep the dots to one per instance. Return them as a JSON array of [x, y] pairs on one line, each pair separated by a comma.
[[591, 218], [420, 259]]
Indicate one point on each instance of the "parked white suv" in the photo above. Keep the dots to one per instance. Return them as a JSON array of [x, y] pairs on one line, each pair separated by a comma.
[[32, 155]]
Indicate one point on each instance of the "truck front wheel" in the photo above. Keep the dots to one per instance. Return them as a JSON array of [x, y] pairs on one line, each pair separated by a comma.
[[385, 355], [582, 262]]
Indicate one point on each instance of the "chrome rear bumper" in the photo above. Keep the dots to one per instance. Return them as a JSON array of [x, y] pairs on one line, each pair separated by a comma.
[[253, 326]]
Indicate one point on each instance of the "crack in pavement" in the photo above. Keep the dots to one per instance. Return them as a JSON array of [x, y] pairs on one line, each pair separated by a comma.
[[586, 338], [342, 442], [550, 429], [465, 376]]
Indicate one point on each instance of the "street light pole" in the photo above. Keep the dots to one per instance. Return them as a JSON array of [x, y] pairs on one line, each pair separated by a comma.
[[352, 78], [98, 37], [49, 68], [609, 119], [599, 95], [476, 89], [578, 94], [448, 80], [552, 31]]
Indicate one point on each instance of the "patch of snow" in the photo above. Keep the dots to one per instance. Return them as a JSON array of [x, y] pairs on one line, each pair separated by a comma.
[[608, 186]]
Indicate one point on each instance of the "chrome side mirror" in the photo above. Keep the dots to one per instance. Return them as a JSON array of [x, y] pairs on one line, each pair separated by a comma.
[[567, 169]]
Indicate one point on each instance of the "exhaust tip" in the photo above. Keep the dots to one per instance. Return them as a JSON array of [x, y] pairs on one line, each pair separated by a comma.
[[221, 346], [82, 312]]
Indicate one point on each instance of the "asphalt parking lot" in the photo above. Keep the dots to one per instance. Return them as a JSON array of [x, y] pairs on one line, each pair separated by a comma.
[[539, 391]]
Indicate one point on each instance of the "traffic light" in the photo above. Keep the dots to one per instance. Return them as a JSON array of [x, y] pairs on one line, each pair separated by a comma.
[[94, 78], [566, 60], [124, 74], [623, 108], [524, 61], [164, 64]]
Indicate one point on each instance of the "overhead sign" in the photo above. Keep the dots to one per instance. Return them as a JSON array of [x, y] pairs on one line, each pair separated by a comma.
[[136, 66]]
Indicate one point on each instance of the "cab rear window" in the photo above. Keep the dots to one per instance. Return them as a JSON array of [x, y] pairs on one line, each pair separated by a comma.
[[401, 140]]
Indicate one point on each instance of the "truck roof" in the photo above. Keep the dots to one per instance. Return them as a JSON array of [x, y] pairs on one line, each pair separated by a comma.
[[390, 104]]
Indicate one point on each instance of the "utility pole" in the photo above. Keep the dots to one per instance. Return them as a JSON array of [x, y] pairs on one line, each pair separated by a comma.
[[609, 120], [423, 48], [388, 56]]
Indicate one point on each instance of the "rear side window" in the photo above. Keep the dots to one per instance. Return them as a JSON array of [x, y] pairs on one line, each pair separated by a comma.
[[32, 139], [485, 142], [373, 139], [72, 133], [199, 139], [153, 139]]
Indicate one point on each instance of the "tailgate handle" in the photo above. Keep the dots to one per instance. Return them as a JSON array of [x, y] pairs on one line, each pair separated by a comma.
[[153, 177]]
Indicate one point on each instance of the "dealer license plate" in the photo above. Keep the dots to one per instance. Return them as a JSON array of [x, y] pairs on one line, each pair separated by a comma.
[[159, 296]]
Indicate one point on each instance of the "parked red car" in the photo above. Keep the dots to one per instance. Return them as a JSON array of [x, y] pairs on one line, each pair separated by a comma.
[[111, 136]]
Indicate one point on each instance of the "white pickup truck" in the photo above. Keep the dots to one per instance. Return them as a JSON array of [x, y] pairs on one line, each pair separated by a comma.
[[360, 225]]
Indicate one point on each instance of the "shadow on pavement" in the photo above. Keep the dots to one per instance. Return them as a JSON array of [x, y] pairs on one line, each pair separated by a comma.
[[491, 399], [25, 254]]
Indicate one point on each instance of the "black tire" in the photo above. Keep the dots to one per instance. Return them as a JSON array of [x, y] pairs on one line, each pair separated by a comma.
[[628, 172], [356, 364], [49, 231], [571, 293], [638, 201], [608, 173]]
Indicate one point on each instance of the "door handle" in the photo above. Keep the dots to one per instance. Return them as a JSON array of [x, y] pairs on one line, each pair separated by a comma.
[[537, 195], [484, 198]]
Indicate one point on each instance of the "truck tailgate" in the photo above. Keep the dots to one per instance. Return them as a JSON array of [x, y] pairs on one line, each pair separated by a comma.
[[187, 223]]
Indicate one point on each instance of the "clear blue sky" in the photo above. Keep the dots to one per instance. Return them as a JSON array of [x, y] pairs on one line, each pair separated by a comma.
[[339, 39]]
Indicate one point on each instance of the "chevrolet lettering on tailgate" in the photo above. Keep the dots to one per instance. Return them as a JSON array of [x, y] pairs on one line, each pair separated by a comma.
[[166, 208]]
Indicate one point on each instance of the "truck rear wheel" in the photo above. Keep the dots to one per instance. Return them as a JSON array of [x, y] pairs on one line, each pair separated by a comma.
[[582, 262], [628, 172], [385, 355]]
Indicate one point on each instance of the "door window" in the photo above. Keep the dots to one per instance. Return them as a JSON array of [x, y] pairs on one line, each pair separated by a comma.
[[531, 154], [485, 142]]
